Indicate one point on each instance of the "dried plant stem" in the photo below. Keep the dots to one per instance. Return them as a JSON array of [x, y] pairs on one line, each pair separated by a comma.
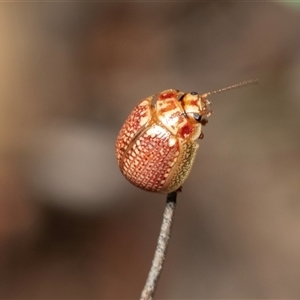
[[161, 248]]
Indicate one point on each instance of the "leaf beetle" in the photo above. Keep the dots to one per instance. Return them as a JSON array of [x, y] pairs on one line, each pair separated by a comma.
[[157, 145]]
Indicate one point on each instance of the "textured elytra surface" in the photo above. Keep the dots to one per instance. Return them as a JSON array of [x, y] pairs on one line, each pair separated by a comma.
[[185, 162], [149, 160], [149, 155], [140, 116]]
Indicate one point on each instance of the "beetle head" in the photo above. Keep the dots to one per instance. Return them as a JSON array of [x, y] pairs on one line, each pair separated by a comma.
[[195, 107]]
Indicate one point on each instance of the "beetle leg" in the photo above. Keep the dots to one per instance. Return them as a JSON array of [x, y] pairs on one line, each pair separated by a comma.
[[201, 136]]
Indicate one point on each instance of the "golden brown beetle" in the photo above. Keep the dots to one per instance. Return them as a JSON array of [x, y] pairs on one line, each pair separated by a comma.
[[156, 146]]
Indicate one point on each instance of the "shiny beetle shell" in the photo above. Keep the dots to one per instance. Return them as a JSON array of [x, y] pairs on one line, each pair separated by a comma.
[[156, 146]]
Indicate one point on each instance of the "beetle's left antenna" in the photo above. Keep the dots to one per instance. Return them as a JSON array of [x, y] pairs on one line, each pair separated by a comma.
[[234, 86]]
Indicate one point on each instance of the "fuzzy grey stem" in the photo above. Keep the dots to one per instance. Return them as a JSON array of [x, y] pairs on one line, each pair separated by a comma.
[[161, 248]]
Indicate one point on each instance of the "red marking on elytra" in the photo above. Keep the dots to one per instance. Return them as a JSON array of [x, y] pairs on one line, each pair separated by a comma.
[[166, 95], [194, 102]]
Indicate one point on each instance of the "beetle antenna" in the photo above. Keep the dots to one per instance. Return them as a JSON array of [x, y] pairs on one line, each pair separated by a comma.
[[234, 86]]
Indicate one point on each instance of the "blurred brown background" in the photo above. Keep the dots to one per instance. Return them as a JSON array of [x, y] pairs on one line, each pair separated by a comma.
[[71, 226]]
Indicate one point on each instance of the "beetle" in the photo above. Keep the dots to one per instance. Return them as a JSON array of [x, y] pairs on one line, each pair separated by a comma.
[[157, 145]]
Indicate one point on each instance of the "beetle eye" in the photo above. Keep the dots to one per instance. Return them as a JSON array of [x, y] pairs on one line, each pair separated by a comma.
[[197, 117], [194, 93]]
